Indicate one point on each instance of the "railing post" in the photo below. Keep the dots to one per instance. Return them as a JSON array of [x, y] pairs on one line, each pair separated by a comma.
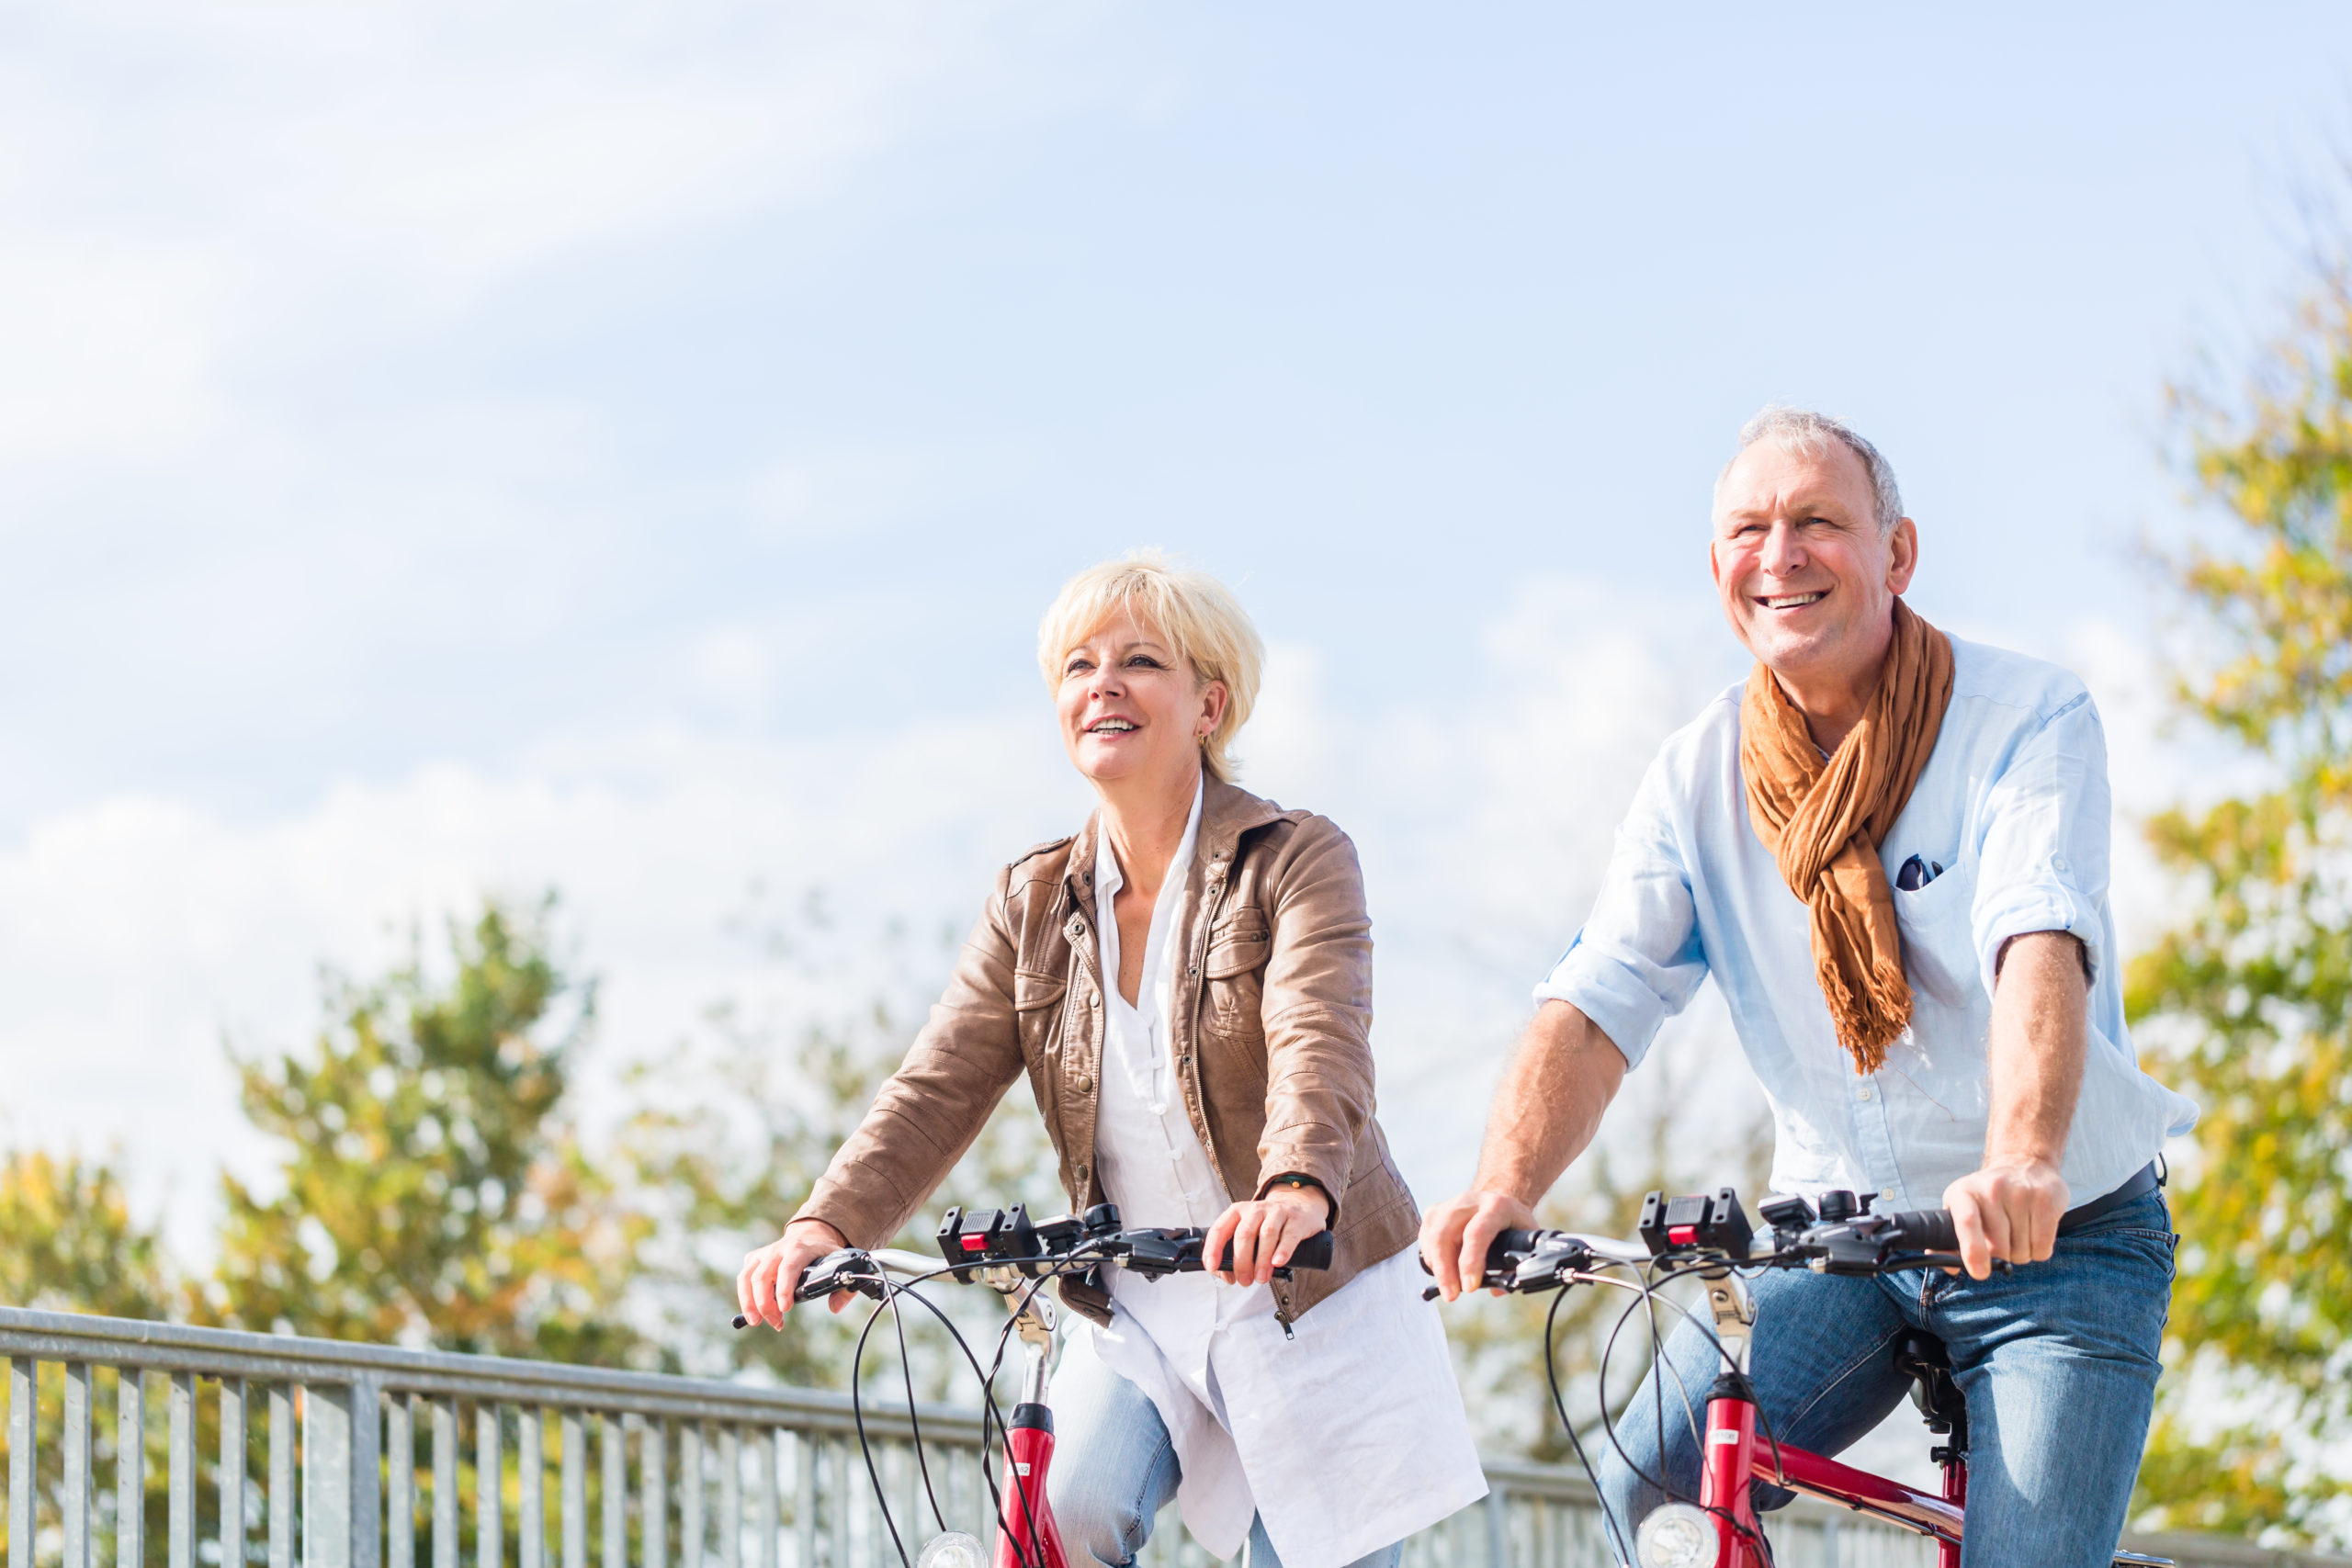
[[233, 1473], [366, 1473], [282, 1475], [80, 1539], [130, 1468], [573, 1488], [179, 1472], [24, 1391], [613, 1438], [445, 1483], [400, 1503], [1497, 1529], [531, 1518], [653, 1475], [327, 1475], [489, 1473], [763, 1495]]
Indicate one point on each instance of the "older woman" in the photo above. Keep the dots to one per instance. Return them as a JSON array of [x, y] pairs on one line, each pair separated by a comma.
[[1187, 984]]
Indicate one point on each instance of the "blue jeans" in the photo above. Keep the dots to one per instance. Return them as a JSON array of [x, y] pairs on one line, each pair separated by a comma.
[[1114, 1469], [2057, 1363]]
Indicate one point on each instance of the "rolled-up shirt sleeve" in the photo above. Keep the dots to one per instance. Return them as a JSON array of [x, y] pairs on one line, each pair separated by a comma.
[[2042, 863], [1639, 960]]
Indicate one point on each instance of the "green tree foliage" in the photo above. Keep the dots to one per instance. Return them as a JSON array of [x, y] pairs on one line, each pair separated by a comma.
[[69, 1243], [736, 1127], [431, 1190], [2250, 996]]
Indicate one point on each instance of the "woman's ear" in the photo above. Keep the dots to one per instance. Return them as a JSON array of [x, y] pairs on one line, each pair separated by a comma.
[[1213, 698]]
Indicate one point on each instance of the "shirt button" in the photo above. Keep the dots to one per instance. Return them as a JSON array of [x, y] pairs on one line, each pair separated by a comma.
[[2058, 860], [1864, 1093]]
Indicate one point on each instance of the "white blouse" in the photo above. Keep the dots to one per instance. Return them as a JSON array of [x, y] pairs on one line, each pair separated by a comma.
[[1348, 1437]]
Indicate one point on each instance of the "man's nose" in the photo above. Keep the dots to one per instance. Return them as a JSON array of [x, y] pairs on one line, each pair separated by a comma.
[[1784, 551]]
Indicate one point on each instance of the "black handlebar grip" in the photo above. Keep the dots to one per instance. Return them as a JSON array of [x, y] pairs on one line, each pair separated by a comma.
[[1508, 1246], [1925, 1230], [1315, 1252]]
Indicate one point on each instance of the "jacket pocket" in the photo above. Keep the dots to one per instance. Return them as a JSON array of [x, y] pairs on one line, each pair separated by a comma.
[[1235, 972], [1037, 999]]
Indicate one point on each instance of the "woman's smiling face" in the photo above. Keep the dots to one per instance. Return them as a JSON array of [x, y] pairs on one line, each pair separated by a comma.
[[1132, 708]]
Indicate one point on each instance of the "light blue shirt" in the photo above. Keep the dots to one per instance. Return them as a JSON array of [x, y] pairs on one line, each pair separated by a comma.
[[2014, 806]]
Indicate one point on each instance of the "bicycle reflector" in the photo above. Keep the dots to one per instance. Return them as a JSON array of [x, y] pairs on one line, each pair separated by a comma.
[[1714, 1221], [1675, 1535]]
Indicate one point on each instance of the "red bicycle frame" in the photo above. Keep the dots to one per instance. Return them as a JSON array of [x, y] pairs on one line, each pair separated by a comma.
[[1737, 1455]]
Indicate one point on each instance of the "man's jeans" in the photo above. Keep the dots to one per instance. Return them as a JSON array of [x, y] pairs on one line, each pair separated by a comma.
[[1114, 1469], [2057, 1361]]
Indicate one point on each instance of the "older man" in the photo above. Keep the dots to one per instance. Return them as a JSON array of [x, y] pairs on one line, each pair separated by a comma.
[[1889, 849]]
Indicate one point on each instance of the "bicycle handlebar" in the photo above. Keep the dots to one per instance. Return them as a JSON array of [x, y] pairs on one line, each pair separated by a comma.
[[1842, 1238], [1009, 1239]]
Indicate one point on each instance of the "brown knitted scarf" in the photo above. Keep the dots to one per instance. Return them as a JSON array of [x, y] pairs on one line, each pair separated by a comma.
[[1823, 821]]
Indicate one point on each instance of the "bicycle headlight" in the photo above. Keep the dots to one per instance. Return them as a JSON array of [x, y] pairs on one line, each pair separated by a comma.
[[1675, 1535], [952, 1549]]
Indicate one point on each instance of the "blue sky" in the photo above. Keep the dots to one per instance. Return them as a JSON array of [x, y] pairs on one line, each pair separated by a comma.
[[627, 450]]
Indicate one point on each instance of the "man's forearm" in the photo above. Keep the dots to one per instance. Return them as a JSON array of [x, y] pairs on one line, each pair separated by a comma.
[[1549, 1104], [2036, 1049]]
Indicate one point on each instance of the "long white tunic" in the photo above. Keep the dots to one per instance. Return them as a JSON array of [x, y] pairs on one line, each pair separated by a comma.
[[1348, 1437]]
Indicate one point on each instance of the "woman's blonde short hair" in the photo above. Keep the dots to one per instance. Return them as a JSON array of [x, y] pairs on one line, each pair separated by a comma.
[[1194, 611]]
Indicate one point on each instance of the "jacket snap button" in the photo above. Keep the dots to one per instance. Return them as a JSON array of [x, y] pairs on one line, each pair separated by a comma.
[[1085, 1084]]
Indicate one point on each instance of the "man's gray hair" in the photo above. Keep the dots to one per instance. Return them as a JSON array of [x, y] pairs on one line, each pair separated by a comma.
[[1803, 430]]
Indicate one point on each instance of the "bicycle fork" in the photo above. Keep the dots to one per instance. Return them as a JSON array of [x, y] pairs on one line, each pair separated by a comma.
[[1026, 1534], [1729, 1463]]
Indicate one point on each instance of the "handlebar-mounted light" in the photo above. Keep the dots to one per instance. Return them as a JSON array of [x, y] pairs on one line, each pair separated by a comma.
[[1707, 1222]]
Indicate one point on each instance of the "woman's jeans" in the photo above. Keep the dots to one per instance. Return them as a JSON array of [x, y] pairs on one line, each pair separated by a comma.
[[2057, 1361], [1114, 1469]]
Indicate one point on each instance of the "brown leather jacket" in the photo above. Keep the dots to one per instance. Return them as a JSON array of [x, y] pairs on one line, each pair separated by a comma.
[[1269, 1025]]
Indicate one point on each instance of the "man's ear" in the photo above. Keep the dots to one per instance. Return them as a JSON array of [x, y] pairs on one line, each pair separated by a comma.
[[1902, 555]]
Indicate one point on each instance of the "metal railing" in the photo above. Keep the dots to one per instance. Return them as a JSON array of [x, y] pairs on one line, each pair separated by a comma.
[[362, 1457]]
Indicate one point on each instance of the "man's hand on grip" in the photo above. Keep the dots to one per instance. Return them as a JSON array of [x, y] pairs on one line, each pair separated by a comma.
[[1456, 1234]]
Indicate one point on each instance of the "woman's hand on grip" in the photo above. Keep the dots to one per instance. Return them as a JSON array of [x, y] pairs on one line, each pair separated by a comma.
[[764, 1285], [1265, 1233]]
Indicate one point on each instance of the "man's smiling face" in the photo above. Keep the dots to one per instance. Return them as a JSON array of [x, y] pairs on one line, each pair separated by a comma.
[[1808, 578]]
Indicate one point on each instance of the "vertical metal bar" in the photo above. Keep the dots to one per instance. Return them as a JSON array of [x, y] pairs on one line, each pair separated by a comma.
[[573, 1434], [653, 1472], [445, 1483], [690, 1496], [731, 1498], [764, 1496], [615, 1457], [531, 1507], [838, 1506], [803, 1507], [130, 1468], [78, 1510], [367, 1494], [24, 1391], [179, 1472], [282, 1475], [233, 1473], [400, 1502], [490, 1475], [327, 1475]]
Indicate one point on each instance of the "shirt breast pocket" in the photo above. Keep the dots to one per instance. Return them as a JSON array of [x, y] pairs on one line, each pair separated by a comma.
[[1938, 936]]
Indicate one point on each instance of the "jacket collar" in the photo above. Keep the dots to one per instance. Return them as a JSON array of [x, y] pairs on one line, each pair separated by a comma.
[[1227, 811]]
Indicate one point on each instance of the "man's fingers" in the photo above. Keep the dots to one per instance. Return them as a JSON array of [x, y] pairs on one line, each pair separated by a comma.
[[1975, 1252], [1476, 1237], [1213, 1248]]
